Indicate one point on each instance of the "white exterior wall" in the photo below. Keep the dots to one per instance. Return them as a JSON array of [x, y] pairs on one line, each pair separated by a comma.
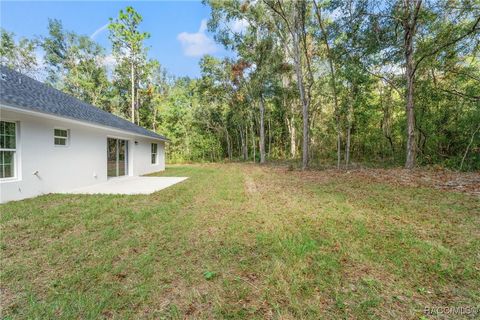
[[142, 162], [81, 163]]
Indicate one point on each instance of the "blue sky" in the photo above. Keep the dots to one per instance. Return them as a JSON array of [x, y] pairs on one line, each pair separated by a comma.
[[178, 32]]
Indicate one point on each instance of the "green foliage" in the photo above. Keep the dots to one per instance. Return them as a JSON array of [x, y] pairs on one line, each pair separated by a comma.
[[75, 65], [218, 115], [131, 55], [125, 36], [20, 55]]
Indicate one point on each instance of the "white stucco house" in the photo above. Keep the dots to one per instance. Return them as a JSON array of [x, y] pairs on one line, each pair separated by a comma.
[[51, 142]]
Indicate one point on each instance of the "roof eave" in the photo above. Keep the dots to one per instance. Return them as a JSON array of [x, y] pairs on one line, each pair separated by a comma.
[[27, 110]]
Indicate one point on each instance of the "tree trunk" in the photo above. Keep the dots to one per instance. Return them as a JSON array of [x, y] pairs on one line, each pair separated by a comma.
[[137, 109], [229, 145], [262, 130], [269, 137], [349, 125], [349, 130], [292, 131], [412, 9], [245, 151], [291, 120], [239, 143], [243, 139], [305, 103], [132, 80], [339, 142], [410, 160], [253, 144], [347, 146], [154, 124], [137, 101]]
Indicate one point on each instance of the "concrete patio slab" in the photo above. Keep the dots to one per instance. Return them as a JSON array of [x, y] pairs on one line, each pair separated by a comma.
[[130, 185]]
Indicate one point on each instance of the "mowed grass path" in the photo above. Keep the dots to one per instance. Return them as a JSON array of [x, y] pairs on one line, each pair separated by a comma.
[[241, 241]]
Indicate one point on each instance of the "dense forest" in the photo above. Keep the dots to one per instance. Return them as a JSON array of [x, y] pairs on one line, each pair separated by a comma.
[[317, 83]]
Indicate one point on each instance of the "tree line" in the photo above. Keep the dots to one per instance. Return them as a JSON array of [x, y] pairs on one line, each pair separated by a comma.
[[324, 83]]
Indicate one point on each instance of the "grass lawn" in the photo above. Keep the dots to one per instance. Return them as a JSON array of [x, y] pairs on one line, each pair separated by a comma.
[[242, 241]]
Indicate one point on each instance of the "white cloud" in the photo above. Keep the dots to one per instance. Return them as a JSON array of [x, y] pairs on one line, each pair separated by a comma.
[[98, 31], [197, 44]]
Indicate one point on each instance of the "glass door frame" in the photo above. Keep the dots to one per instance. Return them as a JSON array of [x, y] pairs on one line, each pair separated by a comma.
[[117, 157]]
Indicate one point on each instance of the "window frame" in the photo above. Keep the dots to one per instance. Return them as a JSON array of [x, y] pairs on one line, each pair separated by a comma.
[[15, 152], [154, 154], [67, 138]]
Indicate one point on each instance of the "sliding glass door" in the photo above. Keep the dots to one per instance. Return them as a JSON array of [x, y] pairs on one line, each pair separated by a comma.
[[117, 157]]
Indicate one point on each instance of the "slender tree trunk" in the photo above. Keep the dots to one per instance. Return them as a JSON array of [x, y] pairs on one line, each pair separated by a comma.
[[242, 142], [243, 138], [132, 80], [412, 8], [137, 107], [349, 130], [253, 144], [347, 146], [410, 160], [262, 130], [291, 127], [292, 131], [269, 137], [339, 142], [349, 125], [305, 103], [137, 101], [239, 144], [293, 140], [291, 120], [245, 151], [229, 144]]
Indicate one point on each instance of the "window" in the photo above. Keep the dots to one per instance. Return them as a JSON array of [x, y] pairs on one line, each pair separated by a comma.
[[60, 137], [8, 149], [154, 153]]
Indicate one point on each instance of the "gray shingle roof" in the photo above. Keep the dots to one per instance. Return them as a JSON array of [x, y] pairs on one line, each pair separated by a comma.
[[20, 91]]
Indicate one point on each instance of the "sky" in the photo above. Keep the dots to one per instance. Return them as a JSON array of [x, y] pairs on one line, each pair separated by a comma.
[[178, 28]]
